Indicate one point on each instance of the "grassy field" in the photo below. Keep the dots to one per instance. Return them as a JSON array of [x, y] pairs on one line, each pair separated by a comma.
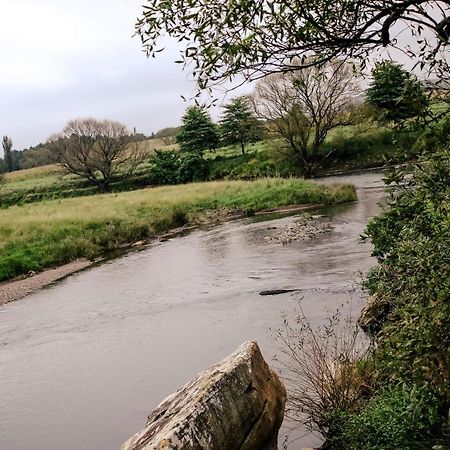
[[46, 234], [348, 148]]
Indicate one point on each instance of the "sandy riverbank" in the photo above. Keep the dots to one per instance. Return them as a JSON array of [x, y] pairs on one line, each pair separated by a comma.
[[17, 289]]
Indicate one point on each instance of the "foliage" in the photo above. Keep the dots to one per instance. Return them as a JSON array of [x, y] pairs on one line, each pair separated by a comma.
[[198, 132], [395, 93], [164, 166], [97, 151], [37, 236], [436, 136], [173, 167], [396, 418], [350, 148], [303, 106], [7, 154], [252, 38], [239, 125], [192, 168], [167, 135], [412, 244]]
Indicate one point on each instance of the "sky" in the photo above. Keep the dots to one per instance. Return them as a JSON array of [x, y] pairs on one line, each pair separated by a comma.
[[65, 59]]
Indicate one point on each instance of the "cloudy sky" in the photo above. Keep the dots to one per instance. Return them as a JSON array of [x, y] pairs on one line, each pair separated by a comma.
[[63, 59]]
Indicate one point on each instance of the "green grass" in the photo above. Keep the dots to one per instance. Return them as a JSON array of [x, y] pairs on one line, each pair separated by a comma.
[[46, 234]]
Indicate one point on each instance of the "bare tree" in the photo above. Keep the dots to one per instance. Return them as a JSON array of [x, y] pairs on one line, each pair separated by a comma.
[[98, 151], [7, 153], [303, 106]]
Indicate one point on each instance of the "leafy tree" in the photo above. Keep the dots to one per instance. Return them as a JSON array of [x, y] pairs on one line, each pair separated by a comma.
[[98, 151], [395, 93], [7, 153], [239, 125], [303, 106], [254, 37], [198, 132]]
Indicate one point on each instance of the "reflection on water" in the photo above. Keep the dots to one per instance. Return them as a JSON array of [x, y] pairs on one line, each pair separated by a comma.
[[84, 361]]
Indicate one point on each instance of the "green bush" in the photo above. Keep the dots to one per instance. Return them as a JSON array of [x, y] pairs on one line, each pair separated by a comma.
[[164, 166], [172, 167], [192, 167], [395, 419], [411, 241]]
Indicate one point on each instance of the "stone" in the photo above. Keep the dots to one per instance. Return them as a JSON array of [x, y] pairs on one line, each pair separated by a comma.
[[373, 315], [235, 404]]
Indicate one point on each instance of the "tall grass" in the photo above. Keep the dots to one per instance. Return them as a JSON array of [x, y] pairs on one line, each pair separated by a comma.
[[36, 236]]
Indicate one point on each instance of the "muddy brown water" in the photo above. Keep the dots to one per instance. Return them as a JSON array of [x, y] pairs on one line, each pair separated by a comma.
[[84, 361]]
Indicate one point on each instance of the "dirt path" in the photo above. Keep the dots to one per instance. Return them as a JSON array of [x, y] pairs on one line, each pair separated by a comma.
[[16, 289]]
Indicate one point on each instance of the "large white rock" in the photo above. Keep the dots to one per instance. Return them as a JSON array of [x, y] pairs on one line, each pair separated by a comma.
[[236, 404]]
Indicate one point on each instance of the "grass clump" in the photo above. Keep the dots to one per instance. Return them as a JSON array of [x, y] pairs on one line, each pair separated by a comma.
[[41, 235]]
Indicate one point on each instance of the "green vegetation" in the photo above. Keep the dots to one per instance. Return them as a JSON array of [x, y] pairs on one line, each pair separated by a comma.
[[239, 124], [198, 133], [33, 237], [395, 93], [408, 393]]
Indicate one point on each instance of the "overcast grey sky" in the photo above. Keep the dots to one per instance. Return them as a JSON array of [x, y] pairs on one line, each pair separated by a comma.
[[63, 59]]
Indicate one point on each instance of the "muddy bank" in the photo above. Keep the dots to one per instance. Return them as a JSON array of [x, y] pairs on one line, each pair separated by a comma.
[[17, 289]]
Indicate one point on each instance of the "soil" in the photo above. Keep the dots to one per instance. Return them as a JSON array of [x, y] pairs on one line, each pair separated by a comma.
[[19, 288]]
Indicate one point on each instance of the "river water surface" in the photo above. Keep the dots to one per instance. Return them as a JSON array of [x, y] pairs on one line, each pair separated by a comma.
[[84, 361]]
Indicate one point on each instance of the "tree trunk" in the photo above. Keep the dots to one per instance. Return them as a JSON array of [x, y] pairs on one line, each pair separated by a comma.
[[242, 148], [105, 187]]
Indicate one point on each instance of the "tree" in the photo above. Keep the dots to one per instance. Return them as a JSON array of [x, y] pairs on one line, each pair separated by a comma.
[[303, 106], [98, 151], [254, 37], [239, 125], [198, 132], [7, 153], [395, 93]]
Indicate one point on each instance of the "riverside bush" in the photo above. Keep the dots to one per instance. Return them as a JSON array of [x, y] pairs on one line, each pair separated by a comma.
[[173, 167], [411, 241], [396, 418]]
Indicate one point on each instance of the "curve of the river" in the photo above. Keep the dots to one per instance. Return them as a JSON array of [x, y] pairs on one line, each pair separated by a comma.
[[84, 361]]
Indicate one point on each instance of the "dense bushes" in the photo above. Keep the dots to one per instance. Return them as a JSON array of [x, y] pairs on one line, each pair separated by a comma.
[[411, 241], [172, 167], [396, 418]]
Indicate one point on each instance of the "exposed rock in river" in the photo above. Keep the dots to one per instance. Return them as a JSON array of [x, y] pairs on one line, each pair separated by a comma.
[[236, 404], [306, 227]]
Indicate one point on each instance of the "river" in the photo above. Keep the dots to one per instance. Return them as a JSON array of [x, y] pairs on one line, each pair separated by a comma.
[[83, 361]]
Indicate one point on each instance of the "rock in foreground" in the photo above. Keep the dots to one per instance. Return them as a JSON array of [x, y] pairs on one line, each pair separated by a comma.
[[236, 404]]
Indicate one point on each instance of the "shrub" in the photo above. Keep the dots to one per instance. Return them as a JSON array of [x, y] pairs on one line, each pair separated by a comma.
[[412, 244], [324, 371], [192, 167], [164, 166], [396, 418]]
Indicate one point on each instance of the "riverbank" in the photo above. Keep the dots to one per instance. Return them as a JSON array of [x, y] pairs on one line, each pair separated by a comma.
[[34, 282], [35, 237]]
